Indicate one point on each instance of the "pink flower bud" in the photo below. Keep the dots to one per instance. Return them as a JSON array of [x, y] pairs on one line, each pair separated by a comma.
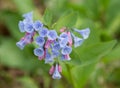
[[63, 29], [69, 39], [51, 70], [59, 68]]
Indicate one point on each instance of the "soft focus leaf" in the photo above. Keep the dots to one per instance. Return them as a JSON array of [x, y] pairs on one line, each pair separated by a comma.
[[67, 21], [47, 18]]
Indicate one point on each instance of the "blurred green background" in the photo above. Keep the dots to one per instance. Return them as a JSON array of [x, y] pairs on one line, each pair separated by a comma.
[[96, 64]]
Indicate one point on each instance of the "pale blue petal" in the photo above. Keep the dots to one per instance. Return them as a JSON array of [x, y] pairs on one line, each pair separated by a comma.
[[85, 32], [66, 50]]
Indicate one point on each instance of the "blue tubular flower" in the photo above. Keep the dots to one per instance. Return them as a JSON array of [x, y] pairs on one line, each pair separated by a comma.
[[77, 41], [56, 74], [48, 57], [52, 35], [65, 57], [29, 27], [56, 46], [55, 53], [66, 50], [28, 15], [64, 35], [63, 42], [39, 52], [21, 26], [43, 32], [85, 32], [38, 25], [21, 44], [40, 41]]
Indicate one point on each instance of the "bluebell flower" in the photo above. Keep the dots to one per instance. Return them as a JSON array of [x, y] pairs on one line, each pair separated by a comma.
[[38, 25], [48, 57], [52, 35], [40, 41], [62, 41], [43, 32], [21, 26], [39, 52], [28, 27], [66, 50], [77, 41], [28, 15], [65, 57], [85, 32], [55, 53], [64, 35], [21, 44], [56, 74], [56, 46]]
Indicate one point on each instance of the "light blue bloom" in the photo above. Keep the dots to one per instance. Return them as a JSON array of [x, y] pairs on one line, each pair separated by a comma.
[[28, 15], [29, 27], [64, 35], [40, 41], [48, 57], [55, 53], [21, 26], [56, 74], [39, 52], [62, 41], [21, 44], [85, 32], [43, 32], [52, 35], [77, 41], [56, 46], [66, 50], [65, 57], [38, 25]]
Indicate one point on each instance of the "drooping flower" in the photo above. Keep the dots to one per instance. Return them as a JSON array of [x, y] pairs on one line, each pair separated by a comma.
[[43, 32], [28, 27], [39, 52], [77, 41], [48, 57], [40, 41], [52, 35], [28, 38], [56, 73], [65, 57], [66, 50], [85, 32], [21, 26], [37, 25]]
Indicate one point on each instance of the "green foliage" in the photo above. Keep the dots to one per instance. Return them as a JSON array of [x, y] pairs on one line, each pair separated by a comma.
[[47, 18]]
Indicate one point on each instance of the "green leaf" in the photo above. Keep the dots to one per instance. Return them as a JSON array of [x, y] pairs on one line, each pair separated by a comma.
[[21, 59], [67, 21], [11, 20], [24, 6], [27, 82], [113, 55], [88, 56], [47, 18]]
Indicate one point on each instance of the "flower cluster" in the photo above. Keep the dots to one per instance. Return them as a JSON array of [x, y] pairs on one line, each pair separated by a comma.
[[52, 47]]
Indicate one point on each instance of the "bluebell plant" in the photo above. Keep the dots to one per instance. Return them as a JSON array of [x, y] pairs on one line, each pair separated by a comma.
[[52, 47]]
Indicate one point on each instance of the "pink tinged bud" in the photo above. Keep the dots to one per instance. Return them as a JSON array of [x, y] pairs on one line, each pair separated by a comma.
[[69, 39], [51, 70], [63, 29], [47, 44], [59, 68], [67, 57], [40, 58]]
